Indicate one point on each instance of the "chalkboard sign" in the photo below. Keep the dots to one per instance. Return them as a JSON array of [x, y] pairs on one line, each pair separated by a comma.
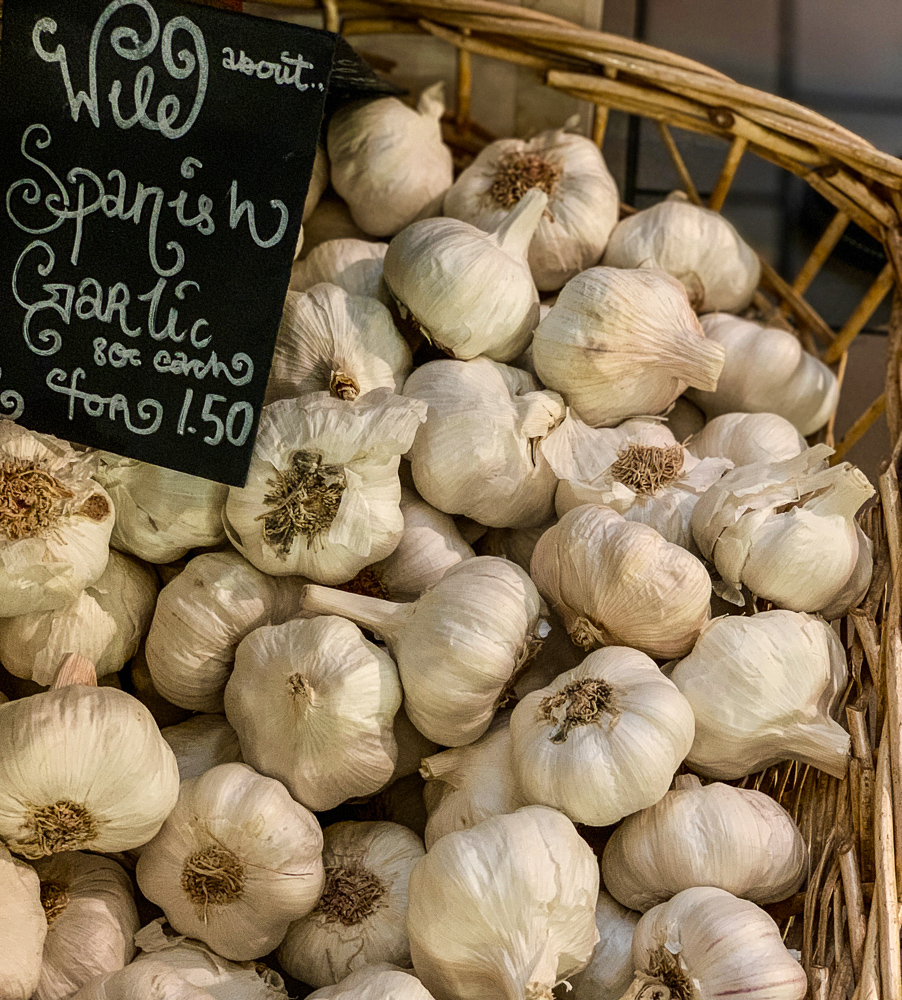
[[154, 159]]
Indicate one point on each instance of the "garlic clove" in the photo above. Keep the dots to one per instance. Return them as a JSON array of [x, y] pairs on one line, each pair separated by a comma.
[[747, 438]]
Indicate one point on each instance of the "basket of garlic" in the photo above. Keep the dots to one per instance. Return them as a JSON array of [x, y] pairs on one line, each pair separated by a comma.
[[551, 648]]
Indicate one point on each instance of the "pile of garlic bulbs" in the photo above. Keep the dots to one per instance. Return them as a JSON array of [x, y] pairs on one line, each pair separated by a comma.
[[352, 718]]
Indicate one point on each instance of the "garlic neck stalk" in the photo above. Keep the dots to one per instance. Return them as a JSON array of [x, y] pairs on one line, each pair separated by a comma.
[[383, 618], [515, 233]]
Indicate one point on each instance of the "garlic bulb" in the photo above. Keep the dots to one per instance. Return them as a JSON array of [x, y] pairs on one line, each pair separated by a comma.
[[23, 928], [719, 270], [583, 203], [354, 265], [91, 919], [459, 647], [388, 160], [637, 469], [766, 370], [105, 623], [141, 684], [380, 981], [361, 917], [737, 839], [746, 438], [319, 181], [55, 522], [400, 802], [611, 970], [619, 344], [430, 545], [468, 784], [854, 590], [479, 452], [706, 943], [602, 740], [322, 494], [330, 220], [161, 513], [202, 742], [313, 704], [153, 980], [516, 544], [467, 291], [786, 530], [331, 341], [236, 861], [761, 689], [106, 787], [616, 583], [200, 966], [200, 619], [524, 886]]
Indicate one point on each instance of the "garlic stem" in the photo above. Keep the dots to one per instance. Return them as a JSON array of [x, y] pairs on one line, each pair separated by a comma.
[[683, 782], [515, 234], [440, 765], [74, 669], [700, 361], [823, 744], [382, 617]]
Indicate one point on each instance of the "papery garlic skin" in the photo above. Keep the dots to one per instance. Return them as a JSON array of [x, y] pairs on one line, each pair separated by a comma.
[[106, 623], [322, 494], [200, 618], [525, 886], [617, 583], [467, 291], [153, 980], [380, 981], [737, 839], [361, 918], [747, 438], [611, 970], [603, 740], [388, 161], [478, 452], [777, 677], [201, 743], [313, 704], [854, 590], [92, 920], [335, 342], [160, 514], [23, 928], [767, 370], [354, 265], [709, 943], [719, 270], [55, 522], [583, 203], [619, 344], [236, 861]]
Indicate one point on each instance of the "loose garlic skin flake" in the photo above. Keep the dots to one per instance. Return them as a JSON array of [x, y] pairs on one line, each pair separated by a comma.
[[236, 862], [601, 741]]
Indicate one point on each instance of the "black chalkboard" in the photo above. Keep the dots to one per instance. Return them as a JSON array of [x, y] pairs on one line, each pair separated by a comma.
[[154, 159]]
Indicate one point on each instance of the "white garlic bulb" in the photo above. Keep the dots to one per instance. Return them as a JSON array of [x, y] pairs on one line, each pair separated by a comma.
[[23, 928], [202, 742], [106, 623], [236, 861], [313, 704], [618, 583], [719, 270], [330, 220], [524, 886], [331, 341], [602, 740], [153, 980], [466, 785], [160, 513], [388, 161], [611, 970], [319, 181], [479, 452], [200, 618], [459, 647], [106, 787], [766, 370], [91, 918], [516, 544], [746, 438], [786, 530], [583, 203], [621, 344], [361, 917], [637, 469], [354, 265], [469, 292], [737, 839], [55, 522], [706, 943], [380, 981], [322, 494], [761, 689]]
